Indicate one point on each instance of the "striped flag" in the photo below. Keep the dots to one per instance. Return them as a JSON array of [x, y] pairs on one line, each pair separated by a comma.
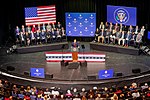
[[40, 15]]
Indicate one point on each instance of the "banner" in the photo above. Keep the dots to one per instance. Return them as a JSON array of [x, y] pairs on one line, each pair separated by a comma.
[[37, 72], [148, 36], [121, 14], [105, 74], [80, 24]]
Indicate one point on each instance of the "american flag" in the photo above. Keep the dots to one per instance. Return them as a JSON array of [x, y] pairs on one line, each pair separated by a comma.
[[40, 15]]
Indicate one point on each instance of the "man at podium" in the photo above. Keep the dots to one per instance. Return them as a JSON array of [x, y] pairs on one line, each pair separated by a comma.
[[75, 49], [75, 43]]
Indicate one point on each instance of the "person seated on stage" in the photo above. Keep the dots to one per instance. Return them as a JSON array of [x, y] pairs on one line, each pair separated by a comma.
[[130, 29], [142, 30], [101, 26], [43, 37], [133, 39], [22, 39], [106, 26], [48, 27], [23, 31], [48, 36], [122, 38], [38, 34], [116, 27], [138, 41], [39, 27], [53, 25], [43, 27], [101, 36], [128, 38], [112, 36], [53, 35], [58, 35], [107, 36], [63, 34], [28, 38], [97, 32], [33, 35], [117, 36], [59, 26], [136, 30], [110, 27], [17, 32]]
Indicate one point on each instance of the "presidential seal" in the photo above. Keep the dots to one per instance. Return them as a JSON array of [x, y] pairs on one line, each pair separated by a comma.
[[121, 15]]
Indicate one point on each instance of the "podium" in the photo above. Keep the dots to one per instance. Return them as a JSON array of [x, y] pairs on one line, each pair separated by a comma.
[[74, 54]]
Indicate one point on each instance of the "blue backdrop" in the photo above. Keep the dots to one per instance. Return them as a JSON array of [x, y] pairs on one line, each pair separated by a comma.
[[121, 14], [80, 24]]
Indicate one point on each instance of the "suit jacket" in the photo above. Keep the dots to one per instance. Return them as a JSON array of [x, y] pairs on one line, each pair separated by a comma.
[[128, 36], [74, 44]]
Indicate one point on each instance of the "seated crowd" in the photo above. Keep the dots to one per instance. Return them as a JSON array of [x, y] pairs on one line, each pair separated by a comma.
[[119, 34], [10, 91], [39, 34]]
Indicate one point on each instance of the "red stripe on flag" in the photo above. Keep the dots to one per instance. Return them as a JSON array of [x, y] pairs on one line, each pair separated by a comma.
[[46, 6], [36, 23], [43, 20]]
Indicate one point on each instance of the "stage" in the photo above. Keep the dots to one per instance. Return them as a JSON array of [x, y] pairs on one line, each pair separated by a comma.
[[43, 47], [125, 66], [114, 48]]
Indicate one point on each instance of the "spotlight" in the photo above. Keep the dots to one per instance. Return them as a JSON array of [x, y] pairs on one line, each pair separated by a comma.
[[12, 49], [7, 51]]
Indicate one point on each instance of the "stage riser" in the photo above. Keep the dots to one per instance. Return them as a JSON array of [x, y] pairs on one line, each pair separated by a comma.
[[117, 49], [39, 48]]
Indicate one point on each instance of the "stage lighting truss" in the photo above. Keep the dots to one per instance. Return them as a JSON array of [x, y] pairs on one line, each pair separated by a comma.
[[11, 49], [146, 50]]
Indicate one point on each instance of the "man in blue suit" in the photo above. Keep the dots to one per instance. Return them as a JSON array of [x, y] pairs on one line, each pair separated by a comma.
[[75, 43], [128, 38]]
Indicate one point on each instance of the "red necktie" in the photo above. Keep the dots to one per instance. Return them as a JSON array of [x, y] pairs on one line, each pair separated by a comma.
[[74, 44]]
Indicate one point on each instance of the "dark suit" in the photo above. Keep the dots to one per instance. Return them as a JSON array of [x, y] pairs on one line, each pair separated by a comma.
[[128, 37], [53, 34], [74, 44], [22, 38]]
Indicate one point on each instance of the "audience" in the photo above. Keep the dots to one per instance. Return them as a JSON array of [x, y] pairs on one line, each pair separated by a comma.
[[19, 92]]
